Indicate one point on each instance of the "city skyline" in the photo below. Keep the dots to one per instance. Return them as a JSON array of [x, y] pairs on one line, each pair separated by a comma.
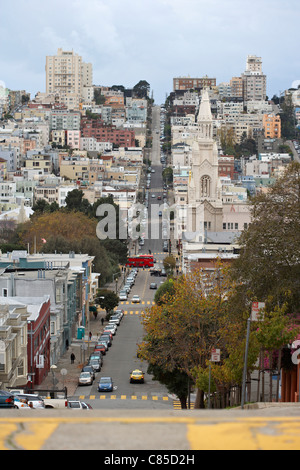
[[154, 41]]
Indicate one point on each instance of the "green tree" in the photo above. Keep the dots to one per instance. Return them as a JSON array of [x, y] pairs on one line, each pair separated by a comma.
[[167, 175], [76, 201], [107, 299], [268, 266], [169, 264], [142, 89]]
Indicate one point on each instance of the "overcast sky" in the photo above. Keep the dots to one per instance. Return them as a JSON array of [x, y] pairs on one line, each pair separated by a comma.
[[154, 40]]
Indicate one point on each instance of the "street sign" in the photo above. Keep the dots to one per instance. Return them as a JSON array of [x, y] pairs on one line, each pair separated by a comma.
[[215, 355], [256, 314]]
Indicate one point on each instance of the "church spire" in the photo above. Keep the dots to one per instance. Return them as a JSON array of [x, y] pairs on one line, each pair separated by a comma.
[[205, 120]]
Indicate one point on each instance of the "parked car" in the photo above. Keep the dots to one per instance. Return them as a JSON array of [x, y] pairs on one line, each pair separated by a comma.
[[96, 355], [123, 295], [110, 328], [79, 405], [119, 313], [108, 333], [137, 376], [115, 319], [85, 378], [135, 299], [89, 369], [105, 384], [6, 399], [107, 339], [101, 347], [34, 401], [96, 364], [153, 285], [21, 403]]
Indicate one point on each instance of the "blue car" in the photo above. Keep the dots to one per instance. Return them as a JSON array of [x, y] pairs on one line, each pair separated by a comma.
[[6, 399], [105, 384]]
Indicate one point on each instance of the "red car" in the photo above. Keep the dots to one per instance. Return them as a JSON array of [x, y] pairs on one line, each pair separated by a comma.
[[101, 347]]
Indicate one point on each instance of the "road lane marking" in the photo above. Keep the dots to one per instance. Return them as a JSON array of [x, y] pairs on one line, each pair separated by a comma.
[[6, 430], [213, 433]]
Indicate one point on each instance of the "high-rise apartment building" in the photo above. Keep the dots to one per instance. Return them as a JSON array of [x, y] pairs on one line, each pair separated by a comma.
[[66, 75], [254, 81], [236, 85]]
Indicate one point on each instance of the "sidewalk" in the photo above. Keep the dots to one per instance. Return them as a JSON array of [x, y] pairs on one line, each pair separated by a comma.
[[70, 379]]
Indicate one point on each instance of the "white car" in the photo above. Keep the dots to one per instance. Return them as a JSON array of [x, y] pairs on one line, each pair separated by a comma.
[[135, 299], [81, 405], [123, 296], [111, 327], [21, 403], [114, 320]]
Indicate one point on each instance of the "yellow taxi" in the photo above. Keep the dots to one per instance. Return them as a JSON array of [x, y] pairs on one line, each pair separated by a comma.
[[137, 376]]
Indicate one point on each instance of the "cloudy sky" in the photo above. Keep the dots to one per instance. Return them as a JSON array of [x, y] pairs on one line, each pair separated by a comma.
[[154, 40]]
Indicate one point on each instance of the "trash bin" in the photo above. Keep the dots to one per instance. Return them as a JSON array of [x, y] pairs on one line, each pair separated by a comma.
[[80, 332]]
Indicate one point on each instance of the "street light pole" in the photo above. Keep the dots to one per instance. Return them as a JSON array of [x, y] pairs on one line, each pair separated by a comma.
[[245, 363]]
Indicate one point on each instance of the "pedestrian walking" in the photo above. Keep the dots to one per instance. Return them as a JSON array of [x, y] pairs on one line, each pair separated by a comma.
[[102, 321], [72, 358], [90, 335]]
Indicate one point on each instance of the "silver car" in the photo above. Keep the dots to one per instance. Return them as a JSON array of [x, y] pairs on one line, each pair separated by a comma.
[[85, 378]]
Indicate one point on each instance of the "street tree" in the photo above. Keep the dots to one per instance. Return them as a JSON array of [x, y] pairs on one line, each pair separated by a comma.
[[107, 300], [183, 328], [268, 266]]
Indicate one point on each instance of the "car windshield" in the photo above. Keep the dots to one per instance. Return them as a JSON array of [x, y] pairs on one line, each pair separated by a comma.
[[105, 380], [85, 374]]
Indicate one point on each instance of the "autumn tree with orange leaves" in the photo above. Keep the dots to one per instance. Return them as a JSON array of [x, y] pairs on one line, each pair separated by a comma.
[[183, 329]]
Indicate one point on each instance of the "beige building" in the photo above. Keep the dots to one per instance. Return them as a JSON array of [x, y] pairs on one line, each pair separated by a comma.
[[39, 162], [75, 168], [67, 74], [254, 81]]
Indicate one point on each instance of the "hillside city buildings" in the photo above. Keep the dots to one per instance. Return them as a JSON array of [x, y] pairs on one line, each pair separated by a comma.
[[97, 138]]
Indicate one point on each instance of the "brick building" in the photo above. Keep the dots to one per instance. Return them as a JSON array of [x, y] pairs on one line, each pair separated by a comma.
[[119, 137]]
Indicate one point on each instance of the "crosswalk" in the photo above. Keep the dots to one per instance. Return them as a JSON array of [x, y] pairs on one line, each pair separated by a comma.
[[177, 405], [174, 403], [147, 302], [163, 398]]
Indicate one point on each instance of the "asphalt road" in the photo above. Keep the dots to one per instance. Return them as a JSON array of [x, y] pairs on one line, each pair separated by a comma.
[[122, 358]]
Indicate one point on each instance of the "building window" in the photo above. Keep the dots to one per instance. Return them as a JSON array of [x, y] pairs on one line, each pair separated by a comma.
[[205, 186]]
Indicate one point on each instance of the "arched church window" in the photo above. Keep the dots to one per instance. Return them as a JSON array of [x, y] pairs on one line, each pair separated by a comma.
[[205, 186]]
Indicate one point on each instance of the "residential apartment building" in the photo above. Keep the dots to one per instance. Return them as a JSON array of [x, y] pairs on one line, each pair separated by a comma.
[[75, 168], [254, 81], [64, 120], [272, 126], [236, 87], [119, 137], [67, 74], [66, 279], [40, 162], [188, 83], [13, 343]]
